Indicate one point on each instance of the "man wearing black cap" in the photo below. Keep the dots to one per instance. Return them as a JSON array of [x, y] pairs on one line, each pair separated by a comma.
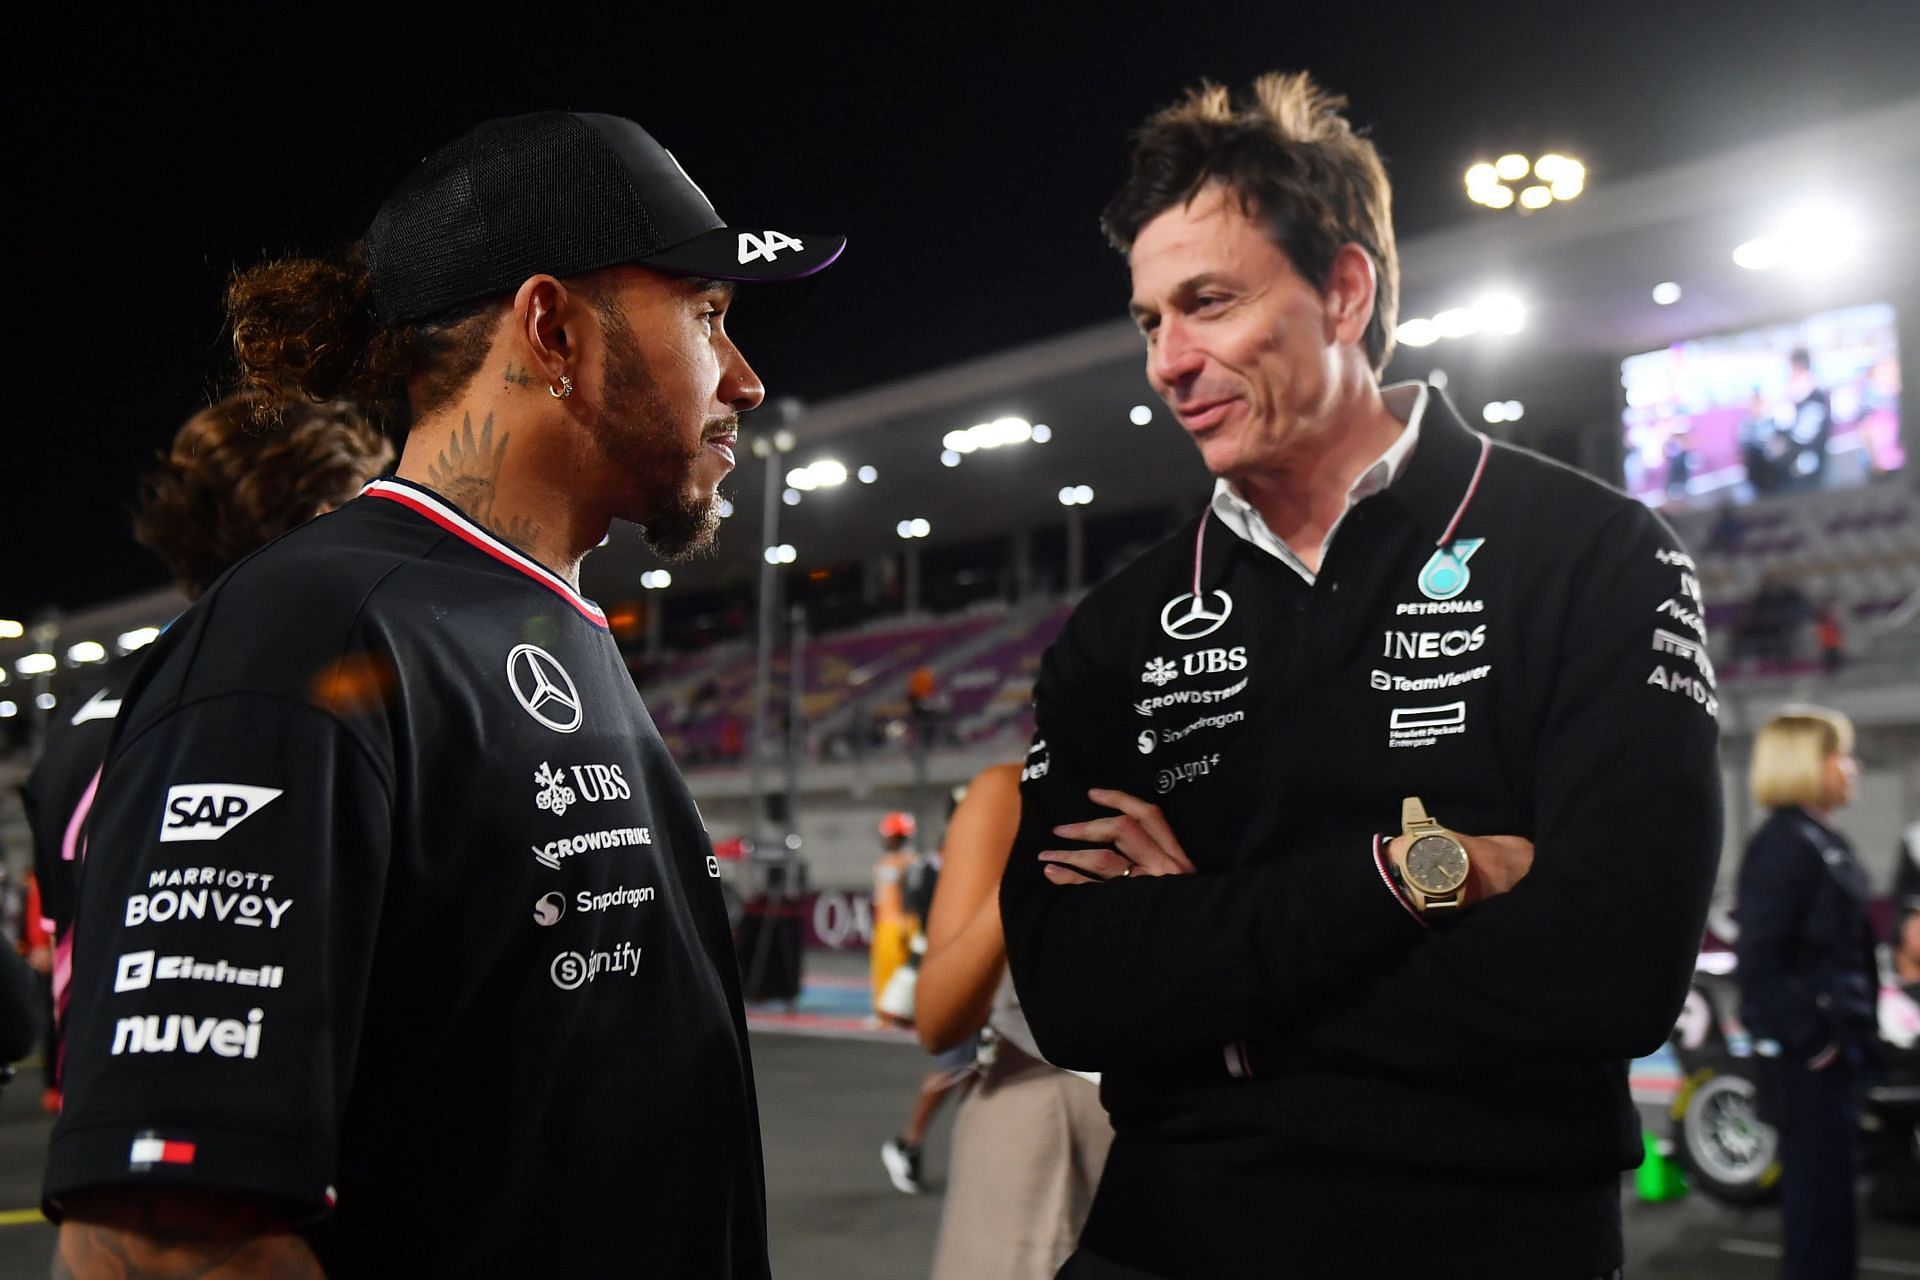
[[401, 948]]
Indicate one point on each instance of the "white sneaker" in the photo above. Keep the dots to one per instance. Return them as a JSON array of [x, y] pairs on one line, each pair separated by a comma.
[[903, 1166]]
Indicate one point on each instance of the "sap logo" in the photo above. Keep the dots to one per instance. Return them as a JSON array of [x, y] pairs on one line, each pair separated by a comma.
[[755, 248], [1434, 644], [208, 810], [182, 1033], [138, 970], [250, 909]]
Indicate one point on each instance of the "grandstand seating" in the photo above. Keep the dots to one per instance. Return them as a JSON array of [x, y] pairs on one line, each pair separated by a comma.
[[1859, 548]]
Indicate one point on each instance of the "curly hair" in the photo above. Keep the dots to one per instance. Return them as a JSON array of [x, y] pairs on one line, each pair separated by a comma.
[[226, 487], [1291, 160], [304, 330]]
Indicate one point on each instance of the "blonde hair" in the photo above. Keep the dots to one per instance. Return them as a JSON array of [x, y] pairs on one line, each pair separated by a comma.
[[1790, 756]]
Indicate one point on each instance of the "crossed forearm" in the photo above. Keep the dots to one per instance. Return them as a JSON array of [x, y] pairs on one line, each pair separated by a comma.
[[178, 1235]]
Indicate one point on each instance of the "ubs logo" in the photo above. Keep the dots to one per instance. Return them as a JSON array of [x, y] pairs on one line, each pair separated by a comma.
[[544, 689], [1195, 616]]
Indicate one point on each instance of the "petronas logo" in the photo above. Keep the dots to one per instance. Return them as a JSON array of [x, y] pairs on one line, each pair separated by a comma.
[[1445, 575]]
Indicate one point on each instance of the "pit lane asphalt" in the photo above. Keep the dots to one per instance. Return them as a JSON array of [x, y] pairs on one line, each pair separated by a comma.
[[828, 1104]]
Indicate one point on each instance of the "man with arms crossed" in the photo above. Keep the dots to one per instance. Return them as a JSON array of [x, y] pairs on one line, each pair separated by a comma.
[[400, 947], [1338, 1037]]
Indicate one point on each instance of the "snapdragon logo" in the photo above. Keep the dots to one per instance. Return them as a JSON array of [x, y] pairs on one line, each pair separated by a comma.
[[588, 900], [572, 970], [184, 1033]]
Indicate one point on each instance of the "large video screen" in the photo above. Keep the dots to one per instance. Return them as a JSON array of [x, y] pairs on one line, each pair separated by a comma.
[[1791, 407]]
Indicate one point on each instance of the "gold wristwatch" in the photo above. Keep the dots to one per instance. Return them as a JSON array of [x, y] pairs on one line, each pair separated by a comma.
[[1434, 871]]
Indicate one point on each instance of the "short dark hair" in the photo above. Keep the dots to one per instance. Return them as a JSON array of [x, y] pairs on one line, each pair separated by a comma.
[[227, 487], [1292, 161]]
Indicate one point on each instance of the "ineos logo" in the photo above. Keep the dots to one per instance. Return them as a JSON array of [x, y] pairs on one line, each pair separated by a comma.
[[544, 688], [1193, 617]]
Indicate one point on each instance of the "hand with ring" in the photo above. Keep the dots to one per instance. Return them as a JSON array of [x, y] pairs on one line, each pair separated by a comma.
[[1137, 842]]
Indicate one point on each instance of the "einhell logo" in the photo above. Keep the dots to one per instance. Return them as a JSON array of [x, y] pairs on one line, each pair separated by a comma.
[[208, 810]]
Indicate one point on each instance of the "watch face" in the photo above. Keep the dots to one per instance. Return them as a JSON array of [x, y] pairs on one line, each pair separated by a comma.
[[1436, 864]]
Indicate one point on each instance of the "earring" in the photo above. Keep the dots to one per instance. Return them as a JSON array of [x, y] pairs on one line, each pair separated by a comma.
[[566, 388]]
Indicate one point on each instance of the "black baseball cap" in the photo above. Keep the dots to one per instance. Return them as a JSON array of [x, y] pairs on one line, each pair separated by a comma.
[[562, 193]]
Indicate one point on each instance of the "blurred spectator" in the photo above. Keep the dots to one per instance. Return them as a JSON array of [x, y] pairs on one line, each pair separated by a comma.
[[1807, 435], [1831, 637], [1030, 1139], [1759, 447], [1727, 528], [892, 928], [226, 486], [911, 883], [1808, 979], [36, 945], [1771, 624]]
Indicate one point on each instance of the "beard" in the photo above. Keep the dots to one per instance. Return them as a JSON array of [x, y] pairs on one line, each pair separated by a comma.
[[676, 521]]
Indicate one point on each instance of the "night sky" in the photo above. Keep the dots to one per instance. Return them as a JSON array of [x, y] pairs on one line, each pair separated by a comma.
[[966, 151]]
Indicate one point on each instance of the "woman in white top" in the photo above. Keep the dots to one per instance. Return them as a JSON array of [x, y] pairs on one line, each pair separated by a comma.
[[1029, 1142]]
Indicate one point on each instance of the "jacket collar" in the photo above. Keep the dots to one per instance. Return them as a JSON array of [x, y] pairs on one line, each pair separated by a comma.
[[1438, 483]]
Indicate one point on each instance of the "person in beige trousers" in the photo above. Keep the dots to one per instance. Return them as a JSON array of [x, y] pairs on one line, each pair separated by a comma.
[[1030, 1140]]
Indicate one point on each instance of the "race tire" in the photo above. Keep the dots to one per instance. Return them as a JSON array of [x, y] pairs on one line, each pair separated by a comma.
[[1728, 1151]]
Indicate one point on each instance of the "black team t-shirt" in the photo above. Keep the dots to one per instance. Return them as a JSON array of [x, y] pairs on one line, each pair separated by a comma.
[[396, 910]]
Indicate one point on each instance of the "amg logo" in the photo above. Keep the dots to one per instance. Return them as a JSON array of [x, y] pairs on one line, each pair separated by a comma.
[[179, 1033], [1434, 644]]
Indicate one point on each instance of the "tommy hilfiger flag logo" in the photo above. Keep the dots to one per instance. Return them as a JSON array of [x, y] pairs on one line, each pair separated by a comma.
[[150, 1149]]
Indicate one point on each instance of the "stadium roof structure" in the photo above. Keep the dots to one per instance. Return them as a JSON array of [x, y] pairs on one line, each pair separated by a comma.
[[1584, 273]]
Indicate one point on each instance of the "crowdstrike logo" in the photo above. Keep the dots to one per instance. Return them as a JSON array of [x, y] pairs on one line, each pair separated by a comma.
[[543, 688], [1182, 697], [550, 853], [208, 810]]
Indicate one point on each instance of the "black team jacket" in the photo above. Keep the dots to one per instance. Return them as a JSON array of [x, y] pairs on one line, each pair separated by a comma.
[[1297, 1067]]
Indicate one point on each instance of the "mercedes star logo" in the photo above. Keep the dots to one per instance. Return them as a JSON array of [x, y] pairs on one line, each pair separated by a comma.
[[1191, 617], [544, 688]]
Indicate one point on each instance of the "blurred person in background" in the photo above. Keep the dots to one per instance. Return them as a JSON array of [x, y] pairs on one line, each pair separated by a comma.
[[401, 947], [915, 880], [1318, 1031], [1030, 1139], [1805, 438], [1808, 979], [893, 925], [223, 489], [1831, 637]]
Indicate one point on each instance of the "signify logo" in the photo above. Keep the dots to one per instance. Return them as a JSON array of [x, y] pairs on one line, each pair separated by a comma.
[[182, 1033], [572, 970]]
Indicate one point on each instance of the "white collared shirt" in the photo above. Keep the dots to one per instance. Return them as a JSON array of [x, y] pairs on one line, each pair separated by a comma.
[[1406, 401]]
